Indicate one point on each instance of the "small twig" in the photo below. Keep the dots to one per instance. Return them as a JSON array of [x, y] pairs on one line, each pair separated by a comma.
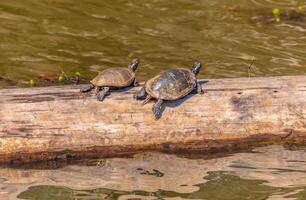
[[250, 69], [288, 135], [101, 162], [77, 76], [77, 80], [63, 72]]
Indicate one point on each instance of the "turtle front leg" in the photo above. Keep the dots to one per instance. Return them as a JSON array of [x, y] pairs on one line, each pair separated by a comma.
[[87, 88], [157, 108], [98, 89], [199, 89], [102, 93], [135, 83], [141, 94]]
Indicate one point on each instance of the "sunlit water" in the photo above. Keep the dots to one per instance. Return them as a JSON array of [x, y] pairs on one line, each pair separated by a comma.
[[39, 37], [273, 172], [43, 37]]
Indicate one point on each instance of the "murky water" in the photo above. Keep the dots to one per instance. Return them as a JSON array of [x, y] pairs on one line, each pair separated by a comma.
[[273, 172], [39, 38]]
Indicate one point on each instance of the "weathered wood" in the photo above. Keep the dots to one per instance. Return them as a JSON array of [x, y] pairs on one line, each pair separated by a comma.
[[60, 123]]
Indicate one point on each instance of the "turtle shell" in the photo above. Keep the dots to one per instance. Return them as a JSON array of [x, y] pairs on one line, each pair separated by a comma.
[[171, 84], [114, 77]]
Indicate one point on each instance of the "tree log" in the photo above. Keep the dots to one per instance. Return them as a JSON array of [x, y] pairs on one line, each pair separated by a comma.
[[61, 123]]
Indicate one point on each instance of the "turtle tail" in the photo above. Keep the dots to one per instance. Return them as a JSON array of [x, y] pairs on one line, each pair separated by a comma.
[[147, 99]]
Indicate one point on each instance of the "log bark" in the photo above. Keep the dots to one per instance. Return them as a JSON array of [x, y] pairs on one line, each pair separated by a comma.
[[61, 123]]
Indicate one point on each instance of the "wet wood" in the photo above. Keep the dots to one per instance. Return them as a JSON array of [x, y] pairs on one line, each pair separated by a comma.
[[60, 123]]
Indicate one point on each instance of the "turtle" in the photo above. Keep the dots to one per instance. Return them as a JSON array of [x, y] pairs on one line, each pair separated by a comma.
[[170, 85], [113, 78]]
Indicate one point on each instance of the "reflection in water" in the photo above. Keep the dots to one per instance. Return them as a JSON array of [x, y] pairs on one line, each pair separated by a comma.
[[86, 36], [219, 186], [272, 172]]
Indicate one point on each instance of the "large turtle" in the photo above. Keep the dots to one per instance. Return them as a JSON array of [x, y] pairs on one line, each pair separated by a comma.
[[170, 85], [113, 78]]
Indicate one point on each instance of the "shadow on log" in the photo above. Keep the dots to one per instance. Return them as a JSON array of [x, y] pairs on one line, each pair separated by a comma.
[[60, 123]]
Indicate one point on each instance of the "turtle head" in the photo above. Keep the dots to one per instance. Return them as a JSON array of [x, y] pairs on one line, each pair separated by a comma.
[[196, 68], [134, 64]]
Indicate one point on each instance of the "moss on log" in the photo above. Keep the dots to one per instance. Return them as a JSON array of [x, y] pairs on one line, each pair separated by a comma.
[[61, 123]]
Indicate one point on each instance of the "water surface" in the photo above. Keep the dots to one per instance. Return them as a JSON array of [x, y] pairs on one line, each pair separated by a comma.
[[42, 38], [274, 172]]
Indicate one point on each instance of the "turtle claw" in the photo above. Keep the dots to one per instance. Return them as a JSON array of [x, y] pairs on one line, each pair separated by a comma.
[[102, 93], [157, 109], [100, 96], [135, 84], [199, 89], [157, 112], [136, 96], [87, 88]]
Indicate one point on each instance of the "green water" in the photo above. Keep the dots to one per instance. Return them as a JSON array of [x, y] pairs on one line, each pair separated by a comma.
[[41, 37], [220, 186]]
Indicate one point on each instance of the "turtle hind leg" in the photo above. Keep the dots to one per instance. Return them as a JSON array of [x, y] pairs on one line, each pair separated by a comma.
[[87, 88], [198, 89], [135, 83], [147, 99], [157, 108], [141, 94], [102, 93]]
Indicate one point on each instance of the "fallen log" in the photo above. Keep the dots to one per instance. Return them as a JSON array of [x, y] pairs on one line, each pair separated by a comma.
[[61, 123]]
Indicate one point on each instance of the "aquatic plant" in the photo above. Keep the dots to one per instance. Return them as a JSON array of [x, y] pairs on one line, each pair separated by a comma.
[[32, 82], [61, 78], [300, 9], [77, 77], [276, 13], [78, 74]]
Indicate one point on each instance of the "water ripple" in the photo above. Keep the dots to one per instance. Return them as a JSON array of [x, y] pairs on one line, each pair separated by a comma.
[[80, 35]]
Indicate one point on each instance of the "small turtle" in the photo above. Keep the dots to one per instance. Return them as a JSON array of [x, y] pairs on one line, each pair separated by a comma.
[[171, 84], [113, 78]]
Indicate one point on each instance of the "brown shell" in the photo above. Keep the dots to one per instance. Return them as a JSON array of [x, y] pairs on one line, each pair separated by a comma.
[[171, 84], [114, 77]]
